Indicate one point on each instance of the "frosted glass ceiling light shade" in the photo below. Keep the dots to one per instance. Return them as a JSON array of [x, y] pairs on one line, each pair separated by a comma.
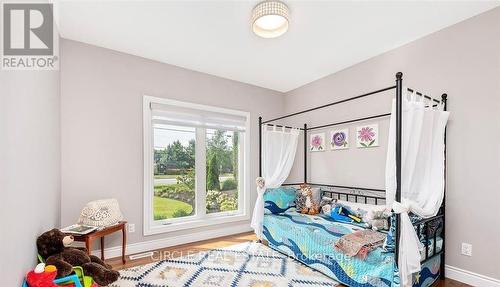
[[270, 19]]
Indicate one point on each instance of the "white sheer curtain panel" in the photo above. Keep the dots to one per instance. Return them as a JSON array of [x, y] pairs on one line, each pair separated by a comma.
[[278, 154], [422, 174]]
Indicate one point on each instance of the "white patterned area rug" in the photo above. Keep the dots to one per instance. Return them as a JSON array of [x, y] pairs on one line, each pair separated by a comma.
[[244, 265]]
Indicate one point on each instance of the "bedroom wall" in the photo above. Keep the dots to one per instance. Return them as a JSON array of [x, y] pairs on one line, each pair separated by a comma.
[[463, 61], [29, 166], [101, 129]]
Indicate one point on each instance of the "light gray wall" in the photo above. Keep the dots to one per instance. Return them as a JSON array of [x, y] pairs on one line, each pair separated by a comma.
[[102, 153], [353, 167], [29, 166], [463, 61]]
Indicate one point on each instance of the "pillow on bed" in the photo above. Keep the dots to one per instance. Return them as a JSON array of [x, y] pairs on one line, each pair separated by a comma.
[[279, 200], [362, 207]]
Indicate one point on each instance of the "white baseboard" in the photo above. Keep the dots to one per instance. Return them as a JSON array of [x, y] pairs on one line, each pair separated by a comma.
[[470, 278], [139, 247]]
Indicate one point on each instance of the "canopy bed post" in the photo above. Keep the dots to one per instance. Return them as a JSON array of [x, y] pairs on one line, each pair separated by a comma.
[[399, 121], [305, 153], [444, 101], [260, 146], [260, 155]]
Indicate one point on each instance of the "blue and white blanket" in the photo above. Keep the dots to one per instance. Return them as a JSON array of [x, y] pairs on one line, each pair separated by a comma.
[[311, 240]]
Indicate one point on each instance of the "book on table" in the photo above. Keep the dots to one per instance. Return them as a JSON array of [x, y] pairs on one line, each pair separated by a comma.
[[80, 229]]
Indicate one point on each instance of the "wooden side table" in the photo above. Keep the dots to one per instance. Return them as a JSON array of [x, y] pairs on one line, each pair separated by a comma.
[[89, 238]]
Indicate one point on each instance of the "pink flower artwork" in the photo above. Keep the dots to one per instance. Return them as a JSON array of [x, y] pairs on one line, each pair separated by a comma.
[[367, 136], [317, 142]]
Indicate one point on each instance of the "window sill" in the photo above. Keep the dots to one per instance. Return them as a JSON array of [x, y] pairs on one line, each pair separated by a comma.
[[209, 220]]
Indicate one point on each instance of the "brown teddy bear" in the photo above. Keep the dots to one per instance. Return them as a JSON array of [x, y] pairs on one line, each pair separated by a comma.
[[53, 246]]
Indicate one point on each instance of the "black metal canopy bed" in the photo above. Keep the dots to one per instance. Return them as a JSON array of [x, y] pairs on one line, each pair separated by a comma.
[[311, 239]]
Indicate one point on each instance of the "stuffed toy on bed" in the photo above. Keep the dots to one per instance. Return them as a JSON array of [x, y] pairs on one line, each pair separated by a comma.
[[305, 202], [325, 205], [377, 219]]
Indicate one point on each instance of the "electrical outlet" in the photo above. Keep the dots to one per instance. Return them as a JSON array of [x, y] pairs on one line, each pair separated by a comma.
[[466, 249], [131, 228]]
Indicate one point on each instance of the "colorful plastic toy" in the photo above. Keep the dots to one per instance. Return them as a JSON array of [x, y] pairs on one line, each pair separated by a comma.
[[86, 280], [44, 276]]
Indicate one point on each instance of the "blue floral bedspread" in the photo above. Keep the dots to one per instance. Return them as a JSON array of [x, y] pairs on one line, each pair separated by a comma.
[[311, 239]]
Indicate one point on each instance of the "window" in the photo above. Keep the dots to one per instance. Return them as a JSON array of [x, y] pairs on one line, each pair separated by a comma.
[[195, 165], [223, 157], [173, 171]]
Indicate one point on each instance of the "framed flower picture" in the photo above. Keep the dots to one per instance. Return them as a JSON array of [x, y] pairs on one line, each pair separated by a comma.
[[367, 136], [317, 142], [339, 139]]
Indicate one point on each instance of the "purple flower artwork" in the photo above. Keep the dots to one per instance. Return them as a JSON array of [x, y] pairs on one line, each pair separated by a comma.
[[367, 136], [339, 139], [317, 142]]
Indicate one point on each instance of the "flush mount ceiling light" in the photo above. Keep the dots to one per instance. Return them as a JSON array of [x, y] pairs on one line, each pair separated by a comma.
[[270, 19]]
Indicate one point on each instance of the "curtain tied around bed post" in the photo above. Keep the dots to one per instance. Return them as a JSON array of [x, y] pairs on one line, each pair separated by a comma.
[[277, 148], [258, 211], [421, 183]]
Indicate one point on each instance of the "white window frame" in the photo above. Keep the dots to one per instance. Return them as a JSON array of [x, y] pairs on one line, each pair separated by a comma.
[[200, 218]]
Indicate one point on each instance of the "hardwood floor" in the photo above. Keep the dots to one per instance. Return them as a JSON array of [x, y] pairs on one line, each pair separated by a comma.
[[221, 242]]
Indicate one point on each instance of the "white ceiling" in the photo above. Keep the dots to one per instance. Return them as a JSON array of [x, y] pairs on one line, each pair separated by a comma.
[[215, 37]]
